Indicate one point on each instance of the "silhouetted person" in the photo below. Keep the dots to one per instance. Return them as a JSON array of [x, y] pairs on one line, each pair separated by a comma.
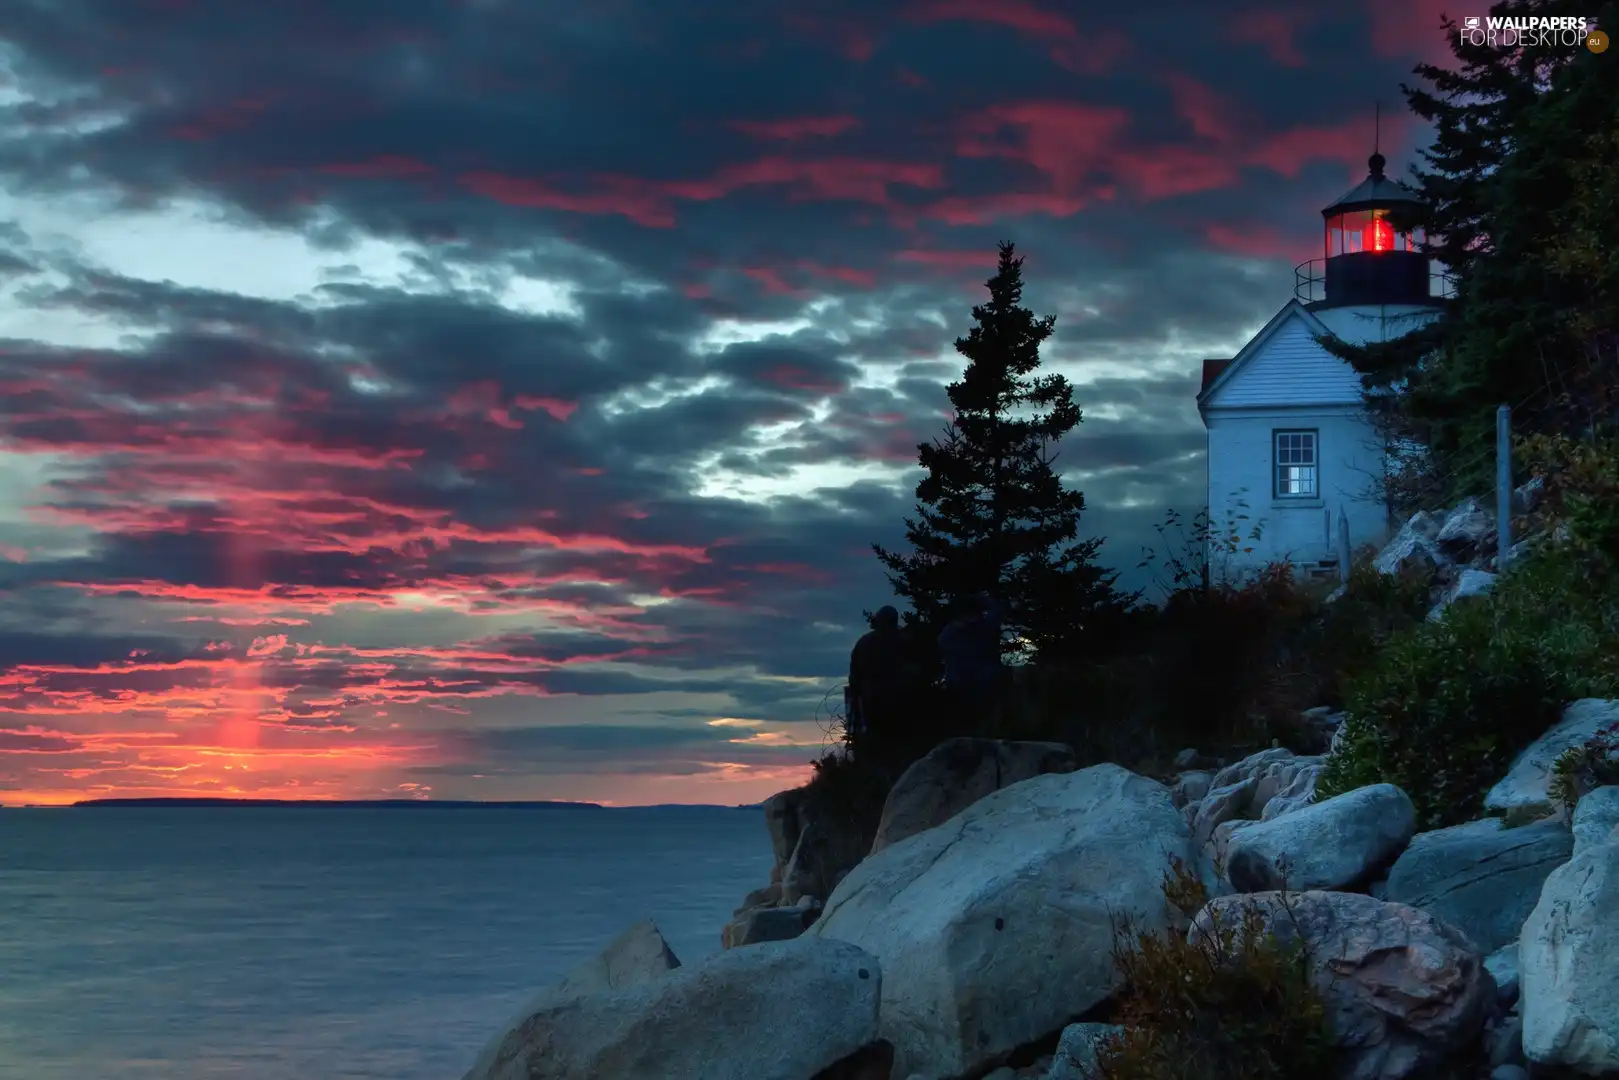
[[970, 646], [876, 678]]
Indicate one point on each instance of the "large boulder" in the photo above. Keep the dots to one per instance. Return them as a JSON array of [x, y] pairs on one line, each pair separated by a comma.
[[1337, 843], [1299, 793], [1502, 965], [1252, 766], [1403, 990], [1466, 585], [640, 954], [1218, 848], [1078, 1050], [1568, 966], [827, 849], [784, 821], [1190, 787], [783, 1011], [1596, 817], [996, 928], [1480, 877], [1412, 552], [1245, 790], [1466, 531], [1525, 788], [1229, 802], [761, 924], [957, 773]]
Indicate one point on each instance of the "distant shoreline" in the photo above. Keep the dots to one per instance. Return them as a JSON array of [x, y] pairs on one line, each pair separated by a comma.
[[361, 804]]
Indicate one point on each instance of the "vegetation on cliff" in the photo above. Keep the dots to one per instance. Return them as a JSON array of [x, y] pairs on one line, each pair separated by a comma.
[[1230, 1002]]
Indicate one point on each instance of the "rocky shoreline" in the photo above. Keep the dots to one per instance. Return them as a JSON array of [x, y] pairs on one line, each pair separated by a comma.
[[972, 937], [979, 945]]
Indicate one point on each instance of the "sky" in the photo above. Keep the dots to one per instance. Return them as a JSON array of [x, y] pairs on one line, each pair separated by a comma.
[[498, 399]]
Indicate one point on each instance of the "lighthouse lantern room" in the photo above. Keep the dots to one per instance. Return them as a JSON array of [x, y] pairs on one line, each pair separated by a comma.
[[1372, 250]]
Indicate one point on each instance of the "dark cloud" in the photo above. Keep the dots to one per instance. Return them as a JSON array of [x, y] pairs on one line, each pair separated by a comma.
[[664, 306]]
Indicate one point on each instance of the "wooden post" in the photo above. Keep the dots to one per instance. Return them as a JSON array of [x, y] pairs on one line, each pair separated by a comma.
[[1343, 546], [1503, 485]]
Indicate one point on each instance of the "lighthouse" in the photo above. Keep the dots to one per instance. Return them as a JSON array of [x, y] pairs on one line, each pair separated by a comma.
[[1292, 448], [1372, 283]]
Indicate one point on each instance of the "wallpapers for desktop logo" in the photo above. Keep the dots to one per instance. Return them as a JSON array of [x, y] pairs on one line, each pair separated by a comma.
[[1533, 31]]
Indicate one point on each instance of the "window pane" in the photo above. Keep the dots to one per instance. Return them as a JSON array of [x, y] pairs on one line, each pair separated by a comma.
[[1295, 464], [1297, 480]]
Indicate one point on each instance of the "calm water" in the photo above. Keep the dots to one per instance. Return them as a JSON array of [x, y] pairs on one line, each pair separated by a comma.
[[327, 944]]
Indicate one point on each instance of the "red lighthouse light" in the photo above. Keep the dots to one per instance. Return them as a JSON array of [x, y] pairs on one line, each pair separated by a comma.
[[1379, 235]]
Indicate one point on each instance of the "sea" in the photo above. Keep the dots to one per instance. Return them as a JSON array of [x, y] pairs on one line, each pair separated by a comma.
[[307, 943]]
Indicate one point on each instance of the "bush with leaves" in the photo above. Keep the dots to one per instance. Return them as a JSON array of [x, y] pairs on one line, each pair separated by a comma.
[[1448, 704], [1582, 769], [1313, 663], [1219, 663], [847, 791], [1580, 492], [1232, 1001]]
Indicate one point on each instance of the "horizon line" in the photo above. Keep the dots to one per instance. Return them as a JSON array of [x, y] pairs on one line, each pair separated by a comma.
[[229, 802]]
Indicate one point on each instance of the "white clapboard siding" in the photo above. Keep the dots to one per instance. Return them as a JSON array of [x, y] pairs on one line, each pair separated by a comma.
[[1290, 368]]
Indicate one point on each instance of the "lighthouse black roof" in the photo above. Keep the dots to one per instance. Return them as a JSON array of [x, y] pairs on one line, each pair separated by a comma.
[[1376, 192]]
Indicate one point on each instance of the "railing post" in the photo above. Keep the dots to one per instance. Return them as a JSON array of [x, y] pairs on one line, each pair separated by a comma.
[[1343, 547], [1503, 485]]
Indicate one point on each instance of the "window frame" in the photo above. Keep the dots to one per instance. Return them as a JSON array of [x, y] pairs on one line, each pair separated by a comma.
[[1276, 464]]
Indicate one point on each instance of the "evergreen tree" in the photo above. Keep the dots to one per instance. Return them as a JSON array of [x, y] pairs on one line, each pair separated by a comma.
[[1504, 177], [992, 514]]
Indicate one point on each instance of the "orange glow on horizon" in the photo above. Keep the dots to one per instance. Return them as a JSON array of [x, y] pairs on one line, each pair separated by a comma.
[[731, 785]]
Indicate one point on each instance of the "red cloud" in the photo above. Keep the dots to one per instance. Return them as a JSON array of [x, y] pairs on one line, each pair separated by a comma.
[[1259, 241], [558, 410], [638, 201], [793, 377], [1208, 114], [1085, 153], [651, 203], [772, 281], [775, 282], [1055, 137]]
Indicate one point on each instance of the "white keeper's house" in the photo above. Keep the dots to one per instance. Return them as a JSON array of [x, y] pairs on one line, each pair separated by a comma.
[[1289, 441]]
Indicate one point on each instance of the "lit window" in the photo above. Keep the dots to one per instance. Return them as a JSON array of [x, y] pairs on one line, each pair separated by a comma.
[[1296, 465]]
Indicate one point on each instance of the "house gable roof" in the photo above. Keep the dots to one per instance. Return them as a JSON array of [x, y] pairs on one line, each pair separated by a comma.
[[1230, 369]]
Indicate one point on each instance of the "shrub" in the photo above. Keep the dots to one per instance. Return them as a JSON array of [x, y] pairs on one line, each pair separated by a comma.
[[1447, 705], [1223, 665], [1227, 1004], [1582, 769], [1100, 709], [847, 791], [1317, 656], [1581, 490]]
